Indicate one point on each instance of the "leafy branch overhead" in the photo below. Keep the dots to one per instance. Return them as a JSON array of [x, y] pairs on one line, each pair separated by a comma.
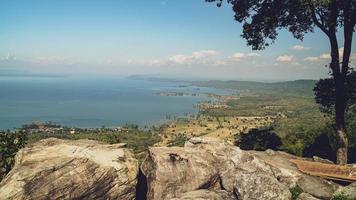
[[263, 18]]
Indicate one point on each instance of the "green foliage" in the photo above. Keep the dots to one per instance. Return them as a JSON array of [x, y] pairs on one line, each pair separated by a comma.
[[259, 139], [295, 191], [351, 125], [10, 143], [324, 91], [178, 141], [262, 20], [298, 135], [300, 120], [341, 195]]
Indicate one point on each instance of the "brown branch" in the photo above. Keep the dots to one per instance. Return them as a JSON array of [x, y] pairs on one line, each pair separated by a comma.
[[315, 19], [348, 33]]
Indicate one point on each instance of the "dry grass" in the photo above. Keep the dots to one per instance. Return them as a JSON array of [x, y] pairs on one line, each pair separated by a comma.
[[224, 128]]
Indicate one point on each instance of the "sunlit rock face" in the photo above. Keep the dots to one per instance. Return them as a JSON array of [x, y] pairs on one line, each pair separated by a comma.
[[204, 169], [63, 169], [213, 169]]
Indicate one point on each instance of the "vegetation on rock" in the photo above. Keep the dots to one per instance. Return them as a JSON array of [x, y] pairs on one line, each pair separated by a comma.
[[259, 139], [10, 143]]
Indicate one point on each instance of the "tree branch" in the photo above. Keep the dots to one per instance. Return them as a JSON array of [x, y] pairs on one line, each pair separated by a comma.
[[315, 19], [348, 32]]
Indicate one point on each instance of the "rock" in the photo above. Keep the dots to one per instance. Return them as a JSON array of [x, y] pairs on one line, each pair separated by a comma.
[[270, 152], [209, 164], [290, 175], [60, 169], [317, 187], [214, 165], [255, 186], [306, 196], [322, 160], [206, 194]]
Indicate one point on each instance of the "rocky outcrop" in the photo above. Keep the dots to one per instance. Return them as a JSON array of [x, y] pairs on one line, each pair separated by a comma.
[[61, 169], [205, 195], [306, 196], [201, 170], [205, 168]]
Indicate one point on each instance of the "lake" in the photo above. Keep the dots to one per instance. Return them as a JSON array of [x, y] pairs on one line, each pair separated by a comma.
[[93, 102]]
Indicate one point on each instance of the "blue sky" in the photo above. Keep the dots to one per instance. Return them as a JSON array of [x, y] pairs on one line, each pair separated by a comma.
[[181, 38]]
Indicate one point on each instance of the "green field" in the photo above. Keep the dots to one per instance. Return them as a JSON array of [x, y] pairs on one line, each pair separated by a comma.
[[299, 119]]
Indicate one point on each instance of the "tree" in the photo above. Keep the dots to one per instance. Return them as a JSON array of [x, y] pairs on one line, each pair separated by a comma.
[[263, 18], [259, 139], [324, 91], [10, 144]]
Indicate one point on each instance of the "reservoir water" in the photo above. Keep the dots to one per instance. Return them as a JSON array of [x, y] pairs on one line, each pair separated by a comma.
[[93, 102]]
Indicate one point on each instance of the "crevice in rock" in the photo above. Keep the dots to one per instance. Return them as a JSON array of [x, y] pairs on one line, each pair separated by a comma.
[[236, 193], [214, 183], [141, 187]]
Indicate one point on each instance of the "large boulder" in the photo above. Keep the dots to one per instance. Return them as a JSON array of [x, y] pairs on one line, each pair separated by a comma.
[[63, 169], [205, 167], [206, 194]]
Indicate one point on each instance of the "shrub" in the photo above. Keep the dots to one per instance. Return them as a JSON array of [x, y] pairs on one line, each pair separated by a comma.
[[295, 191], [178, 141], [340, 195], [259, 139], [320, 147], [10, 143]]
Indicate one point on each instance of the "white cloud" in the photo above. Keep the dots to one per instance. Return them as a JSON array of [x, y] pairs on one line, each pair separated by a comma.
[[299, 48], [325, 56], [285, 58], [238, 56], [8, 57], [311, 59], [180, 59], [204, 54], [253, 55], [328, 56], [197, 57]]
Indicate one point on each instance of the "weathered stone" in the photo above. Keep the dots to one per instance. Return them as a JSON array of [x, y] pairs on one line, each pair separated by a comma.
[[317, 187], [290, 175], [214, 165], [255, 186], [206, 195], [62, 169], [322, 160], [209, 164], [306, 196]]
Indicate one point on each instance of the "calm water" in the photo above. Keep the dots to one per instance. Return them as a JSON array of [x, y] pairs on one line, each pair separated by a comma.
[[90, 102]]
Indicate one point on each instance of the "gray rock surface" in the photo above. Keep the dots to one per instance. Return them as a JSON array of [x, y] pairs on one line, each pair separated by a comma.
[[215, 165], [306, 196], [63, 169], [206, 195]]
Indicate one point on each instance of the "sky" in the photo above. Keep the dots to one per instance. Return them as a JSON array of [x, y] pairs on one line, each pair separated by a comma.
[[168, 38]]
